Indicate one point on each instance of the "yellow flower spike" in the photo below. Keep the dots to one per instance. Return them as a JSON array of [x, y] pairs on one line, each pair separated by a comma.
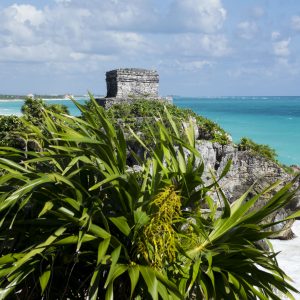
[[159, 237]]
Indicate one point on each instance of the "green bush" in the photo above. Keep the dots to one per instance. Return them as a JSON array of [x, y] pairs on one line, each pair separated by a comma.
[[32, 110], [77, 223], [10, 129], [139, 114], [14, 130], [260, 149]]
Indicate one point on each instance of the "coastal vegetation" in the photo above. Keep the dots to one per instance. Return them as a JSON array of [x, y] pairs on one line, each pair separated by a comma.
[[258, 149], [77, 222], [263, 150], [10, 128], [14, 130], [32, 110], [142, 113]]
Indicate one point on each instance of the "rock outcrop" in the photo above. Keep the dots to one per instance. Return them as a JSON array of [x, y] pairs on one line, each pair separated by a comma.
[[248, 170]]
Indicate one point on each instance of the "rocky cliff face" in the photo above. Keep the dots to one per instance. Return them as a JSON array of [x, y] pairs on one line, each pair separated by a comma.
[[246, 170]]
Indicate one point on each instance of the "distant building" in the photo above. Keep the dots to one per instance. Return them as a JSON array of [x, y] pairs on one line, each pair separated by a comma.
[[30, 96], [127, 85], [123, 83]]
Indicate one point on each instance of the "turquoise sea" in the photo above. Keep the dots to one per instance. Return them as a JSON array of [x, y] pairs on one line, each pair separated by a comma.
[[269, 120]]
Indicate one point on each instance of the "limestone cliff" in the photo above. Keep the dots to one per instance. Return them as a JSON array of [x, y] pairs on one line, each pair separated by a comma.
[[248, 169]]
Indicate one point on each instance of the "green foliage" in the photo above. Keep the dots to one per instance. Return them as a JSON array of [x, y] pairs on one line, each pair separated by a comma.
[[139, 114], [32, 110], [10, 128], [260, 149], [77, 223], [14, 131]]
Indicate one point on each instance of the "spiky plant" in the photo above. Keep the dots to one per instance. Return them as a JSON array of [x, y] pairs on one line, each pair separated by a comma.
[[78, 223]]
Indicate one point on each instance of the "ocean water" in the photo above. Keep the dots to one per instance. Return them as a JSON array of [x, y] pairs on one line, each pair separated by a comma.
[[267, 120], [13, 107]]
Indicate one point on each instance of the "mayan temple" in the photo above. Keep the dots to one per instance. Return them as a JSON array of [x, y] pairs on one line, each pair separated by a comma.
[[127, 85]]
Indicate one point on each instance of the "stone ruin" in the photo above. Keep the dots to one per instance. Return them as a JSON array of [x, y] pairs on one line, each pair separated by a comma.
[[126, 85]]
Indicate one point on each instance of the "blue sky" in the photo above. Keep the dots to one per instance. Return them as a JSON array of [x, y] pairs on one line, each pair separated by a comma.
[[199, 47]]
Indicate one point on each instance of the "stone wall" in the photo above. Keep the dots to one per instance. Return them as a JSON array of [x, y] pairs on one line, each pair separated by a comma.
[[127, 83]]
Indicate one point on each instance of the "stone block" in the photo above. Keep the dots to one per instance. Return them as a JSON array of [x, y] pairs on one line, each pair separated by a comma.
[[132, 83]]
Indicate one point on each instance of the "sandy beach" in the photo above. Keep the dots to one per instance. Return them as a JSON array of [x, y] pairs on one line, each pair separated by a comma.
[[289, 256]]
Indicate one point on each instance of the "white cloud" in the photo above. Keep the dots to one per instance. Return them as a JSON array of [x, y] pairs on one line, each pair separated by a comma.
[[24, 14], [63, 1], [75, 36], [125, 42], [281, 48], [193, 44], [197, 16], [44, 52], [216, 45], [249, 71], [193, 66], [295, 22], [284, 65], [247, 29], [19, 23], [124, 28], [133, 15], [275, 35], [258, 11]]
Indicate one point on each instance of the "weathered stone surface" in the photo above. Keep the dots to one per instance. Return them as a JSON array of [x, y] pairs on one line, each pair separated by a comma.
[[126, 83], [125, 86], [108, 102], [246, 170]]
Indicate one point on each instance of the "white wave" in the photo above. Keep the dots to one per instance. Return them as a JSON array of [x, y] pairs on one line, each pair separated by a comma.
[[12, 113], [12, 100], [289, 256]]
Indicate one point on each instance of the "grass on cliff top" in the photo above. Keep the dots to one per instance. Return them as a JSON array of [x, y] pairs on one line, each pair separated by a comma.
[[260, 149], [263, 150], [136, 113]]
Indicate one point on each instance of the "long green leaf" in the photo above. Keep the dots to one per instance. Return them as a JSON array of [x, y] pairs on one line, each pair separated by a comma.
[[134, 274], [44, 279], [107, 180], [94, 283], [150, 280], [121, 224]]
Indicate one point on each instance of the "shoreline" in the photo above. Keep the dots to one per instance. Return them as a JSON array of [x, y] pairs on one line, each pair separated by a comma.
[[289, 255], [45, 99]]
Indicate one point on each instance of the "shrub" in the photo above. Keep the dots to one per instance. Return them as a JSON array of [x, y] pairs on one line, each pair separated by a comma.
[[261, 149], [14, 130], [77, 223], [142, 112], [10, 128], [32, 110]]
